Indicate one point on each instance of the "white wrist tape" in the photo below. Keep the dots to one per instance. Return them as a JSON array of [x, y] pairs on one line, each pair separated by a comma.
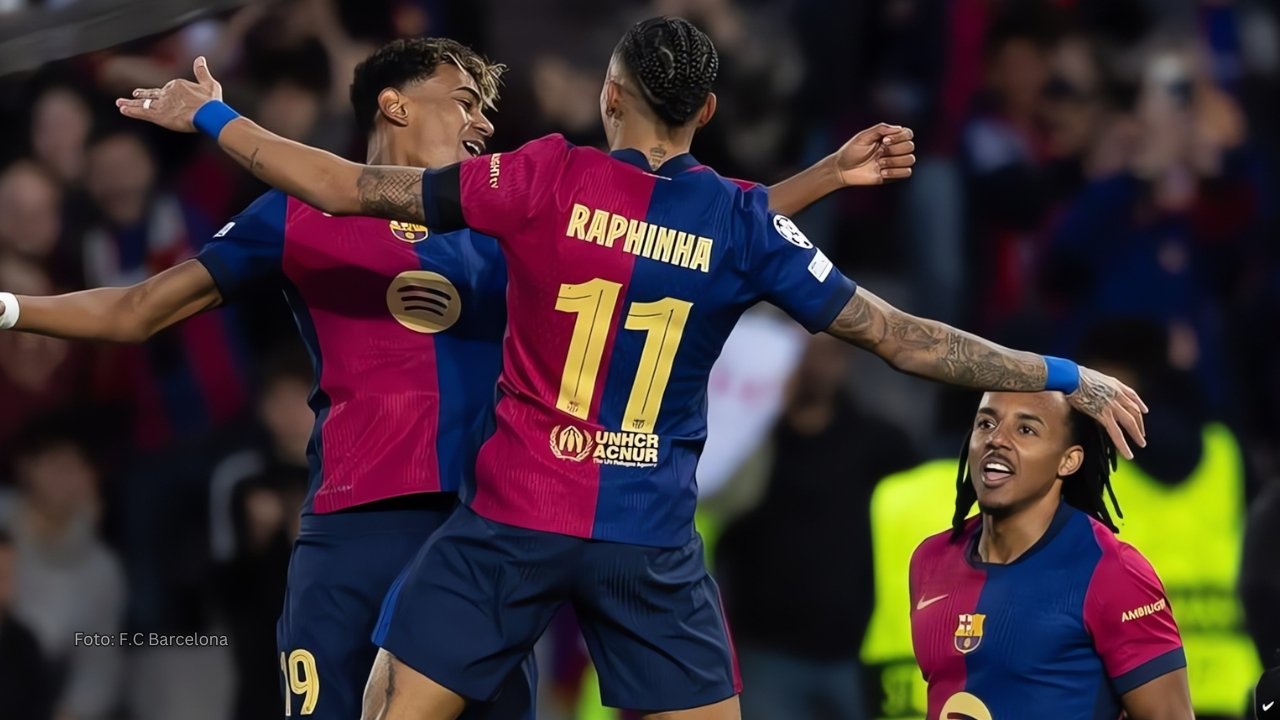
[[10, 316]]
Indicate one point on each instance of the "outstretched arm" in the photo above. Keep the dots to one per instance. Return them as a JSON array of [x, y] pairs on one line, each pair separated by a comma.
[[318, 178], [880, 154], [935, 350], [324, 180], [121, 314]]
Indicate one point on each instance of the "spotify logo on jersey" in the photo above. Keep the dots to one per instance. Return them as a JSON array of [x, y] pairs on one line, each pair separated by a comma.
[[424, 301]]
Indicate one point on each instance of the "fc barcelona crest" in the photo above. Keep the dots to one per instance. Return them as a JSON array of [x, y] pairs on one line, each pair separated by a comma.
[[969, 633], [408, 232]]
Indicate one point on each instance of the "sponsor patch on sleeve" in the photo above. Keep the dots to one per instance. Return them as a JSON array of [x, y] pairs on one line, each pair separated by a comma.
[[820, 266]]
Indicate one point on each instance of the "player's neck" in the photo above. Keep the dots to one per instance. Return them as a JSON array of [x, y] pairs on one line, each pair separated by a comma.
[[379, 151], [388, 149], [656, 145], [1005, 539]]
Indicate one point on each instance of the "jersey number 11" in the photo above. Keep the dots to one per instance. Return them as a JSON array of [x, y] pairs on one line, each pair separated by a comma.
[[594, 303]]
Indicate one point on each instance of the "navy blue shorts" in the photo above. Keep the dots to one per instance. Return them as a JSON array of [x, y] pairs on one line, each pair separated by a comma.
[[480, 593], [342, 566]]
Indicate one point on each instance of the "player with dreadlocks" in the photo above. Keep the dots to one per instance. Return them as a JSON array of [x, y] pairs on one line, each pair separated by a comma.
[[626, 271], [1084, 492], [1034, 602]]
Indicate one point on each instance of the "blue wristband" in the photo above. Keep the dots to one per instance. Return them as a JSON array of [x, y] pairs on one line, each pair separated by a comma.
[[212, 117], [1061, 375]]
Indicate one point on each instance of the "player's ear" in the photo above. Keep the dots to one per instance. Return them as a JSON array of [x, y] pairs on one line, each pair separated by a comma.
[[393, 107], [612, 98], [1071, 461], [708, 110]]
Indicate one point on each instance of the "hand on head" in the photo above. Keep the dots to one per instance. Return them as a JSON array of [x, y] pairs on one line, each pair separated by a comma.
[[1114, 405]]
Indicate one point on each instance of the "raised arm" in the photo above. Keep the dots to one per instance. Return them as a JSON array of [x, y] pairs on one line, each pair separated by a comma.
[[324, 180], [935, 350], [318, 178], [880, 154], [119, 314]]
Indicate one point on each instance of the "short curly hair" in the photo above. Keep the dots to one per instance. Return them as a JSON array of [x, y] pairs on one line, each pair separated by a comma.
[[401, 62], [675, 64]]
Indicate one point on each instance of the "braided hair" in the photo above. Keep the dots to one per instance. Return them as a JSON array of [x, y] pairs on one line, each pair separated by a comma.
[[673, 62], [1081, 490]]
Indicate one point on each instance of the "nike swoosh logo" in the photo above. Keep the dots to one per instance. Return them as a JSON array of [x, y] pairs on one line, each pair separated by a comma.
[[926, 603], [1268, 706]]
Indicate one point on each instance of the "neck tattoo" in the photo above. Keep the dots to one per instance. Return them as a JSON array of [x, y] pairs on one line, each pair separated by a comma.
[[656, 156]]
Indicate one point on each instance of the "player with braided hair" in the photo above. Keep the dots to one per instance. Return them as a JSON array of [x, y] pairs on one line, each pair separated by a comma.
[[1035, 602], [627, 272], [675, 65]]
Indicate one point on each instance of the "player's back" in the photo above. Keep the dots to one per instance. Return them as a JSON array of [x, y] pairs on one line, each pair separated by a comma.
[[628, 284], [404, 329]]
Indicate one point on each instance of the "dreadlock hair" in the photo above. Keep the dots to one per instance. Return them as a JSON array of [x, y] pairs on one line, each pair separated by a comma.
[[673, 62], [405, 61], [1081, 490]]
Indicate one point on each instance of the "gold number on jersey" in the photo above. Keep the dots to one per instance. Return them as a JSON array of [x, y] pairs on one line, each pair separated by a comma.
[[300, 675], [663, 322], [593, 302]]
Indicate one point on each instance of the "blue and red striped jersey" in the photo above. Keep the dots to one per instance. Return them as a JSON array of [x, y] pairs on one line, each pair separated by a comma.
[[404, 327], [1073, 624], [625, 284]]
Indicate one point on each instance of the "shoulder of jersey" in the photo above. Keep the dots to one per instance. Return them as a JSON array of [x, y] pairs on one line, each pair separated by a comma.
[[1083, 533], [552, 140], [407, 232], [940, 545], [1113, 547], [553, 137], [748, 196], [298, 207], [747, 199]]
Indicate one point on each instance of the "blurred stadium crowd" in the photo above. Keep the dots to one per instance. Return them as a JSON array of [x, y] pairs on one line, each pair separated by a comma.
[[1097, 179]]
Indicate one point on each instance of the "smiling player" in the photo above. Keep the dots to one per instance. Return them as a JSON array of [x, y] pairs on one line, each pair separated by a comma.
[[404, 325], [627, 272]]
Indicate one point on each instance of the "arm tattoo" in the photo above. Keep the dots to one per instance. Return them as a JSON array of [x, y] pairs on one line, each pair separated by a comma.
[[1093, 394], [934, 350], [250, 162], [857, 324], [381, 687], [391, 686], [393, 193]]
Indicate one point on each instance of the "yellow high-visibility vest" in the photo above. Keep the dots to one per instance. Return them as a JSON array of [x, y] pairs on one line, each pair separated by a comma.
[[589, 706], [906, 508], [1193, 535]]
